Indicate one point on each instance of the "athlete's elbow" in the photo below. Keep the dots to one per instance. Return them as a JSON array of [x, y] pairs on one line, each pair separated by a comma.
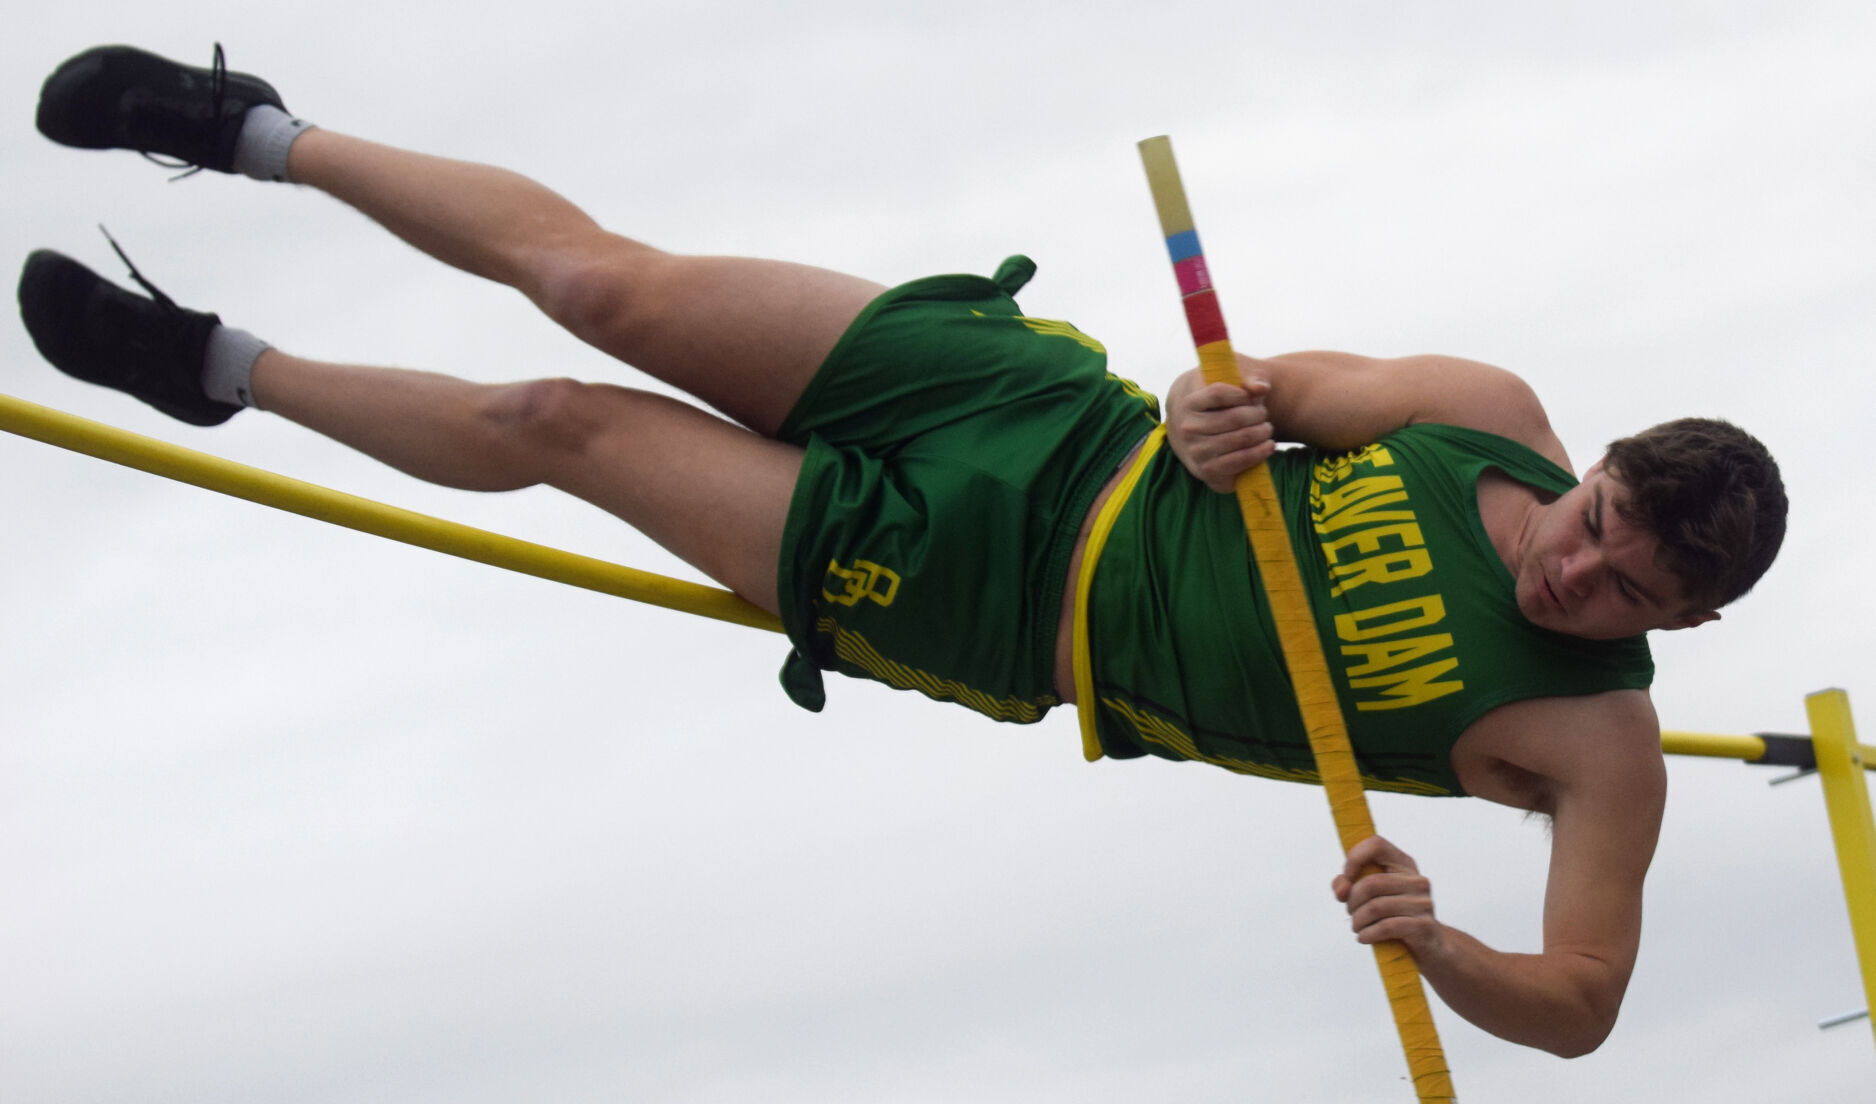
[[1584, 1027], [1569, 1018], [1577, 1043]]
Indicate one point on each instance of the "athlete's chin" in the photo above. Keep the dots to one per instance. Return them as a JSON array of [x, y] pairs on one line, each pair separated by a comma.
[[1536, 610]]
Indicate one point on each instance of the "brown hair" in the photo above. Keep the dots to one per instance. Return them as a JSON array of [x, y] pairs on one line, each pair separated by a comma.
[[1711, 494]]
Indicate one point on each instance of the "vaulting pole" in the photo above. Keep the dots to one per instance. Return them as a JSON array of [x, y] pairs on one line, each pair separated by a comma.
[[1296, 627], [148, 454]]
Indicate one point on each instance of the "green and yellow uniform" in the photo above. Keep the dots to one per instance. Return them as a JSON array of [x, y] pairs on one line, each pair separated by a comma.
[[954, 447], [1415, 609]]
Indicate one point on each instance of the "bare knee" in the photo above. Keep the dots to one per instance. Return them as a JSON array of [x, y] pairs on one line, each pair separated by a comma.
[[603, 290], [541, 423]]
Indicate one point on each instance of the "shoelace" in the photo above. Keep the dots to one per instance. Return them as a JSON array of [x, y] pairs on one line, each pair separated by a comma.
[[218, 92], [155, 292]]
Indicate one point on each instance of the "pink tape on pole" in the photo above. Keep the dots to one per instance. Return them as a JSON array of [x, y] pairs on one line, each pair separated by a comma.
[[1193, 276]]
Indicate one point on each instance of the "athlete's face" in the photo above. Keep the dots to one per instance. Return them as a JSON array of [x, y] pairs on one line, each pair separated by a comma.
[[1584, 570]]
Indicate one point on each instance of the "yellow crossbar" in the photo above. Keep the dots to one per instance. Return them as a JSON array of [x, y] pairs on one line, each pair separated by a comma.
[[1749, 748], [55, 427]]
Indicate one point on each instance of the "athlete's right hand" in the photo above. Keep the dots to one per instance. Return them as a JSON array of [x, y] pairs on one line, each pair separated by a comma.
[[1218, 430]]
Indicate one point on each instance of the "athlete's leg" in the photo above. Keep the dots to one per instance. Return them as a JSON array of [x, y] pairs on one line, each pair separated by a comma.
[[714, 494], [743, 335]]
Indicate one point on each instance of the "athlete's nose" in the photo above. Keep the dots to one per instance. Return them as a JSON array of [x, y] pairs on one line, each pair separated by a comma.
[[1577, 573]]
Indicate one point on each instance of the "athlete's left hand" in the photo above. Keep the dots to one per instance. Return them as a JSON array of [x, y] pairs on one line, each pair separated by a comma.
[[1395, 902]]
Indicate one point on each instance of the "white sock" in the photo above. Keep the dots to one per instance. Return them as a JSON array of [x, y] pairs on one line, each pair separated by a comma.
[[267, 133], [228, 365]]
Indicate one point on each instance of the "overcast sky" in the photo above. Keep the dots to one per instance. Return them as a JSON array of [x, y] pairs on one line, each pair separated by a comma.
[[292, 814]]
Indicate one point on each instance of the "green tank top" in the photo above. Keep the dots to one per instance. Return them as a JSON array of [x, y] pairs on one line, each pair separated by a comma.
[[1415, 609]]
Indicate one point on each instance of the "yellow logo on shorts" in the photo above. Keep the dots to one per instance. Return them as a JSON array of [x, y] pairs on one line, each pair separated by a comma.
[[862, 580], [1049, 327]]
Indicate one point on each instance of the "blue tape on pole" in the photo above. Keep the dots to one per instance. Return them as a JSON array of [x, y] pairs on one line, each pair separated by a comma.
[[1183, 244]]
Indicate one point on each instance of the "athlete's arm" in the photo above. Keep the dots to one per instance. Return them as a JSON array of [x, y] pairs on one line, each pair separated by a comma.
[[1605, 798], [1341, 401]]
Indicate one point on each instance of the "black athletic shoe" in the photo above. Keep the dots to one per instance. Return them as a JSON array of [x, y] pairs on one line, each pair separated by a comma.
[[119, 97], [93, 330]]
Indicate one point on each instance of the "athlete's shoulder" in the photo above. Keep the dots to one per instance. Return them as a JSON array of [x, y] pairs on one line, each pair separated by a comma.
[[1523, 753]]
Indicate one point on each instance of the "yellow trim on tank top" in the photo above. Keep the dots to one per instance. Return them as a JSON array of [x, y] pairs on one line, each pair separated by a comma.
[[1085, 704]]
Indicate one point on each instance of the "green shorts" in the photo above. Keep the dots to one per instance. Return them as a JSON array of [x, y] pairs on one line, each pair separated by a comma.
[[954, 447]]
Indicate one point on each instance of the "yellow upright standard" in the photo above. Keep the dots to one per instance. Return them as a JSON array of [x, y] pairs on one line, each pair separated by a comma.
[[1296, 627], [1840, 764]]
